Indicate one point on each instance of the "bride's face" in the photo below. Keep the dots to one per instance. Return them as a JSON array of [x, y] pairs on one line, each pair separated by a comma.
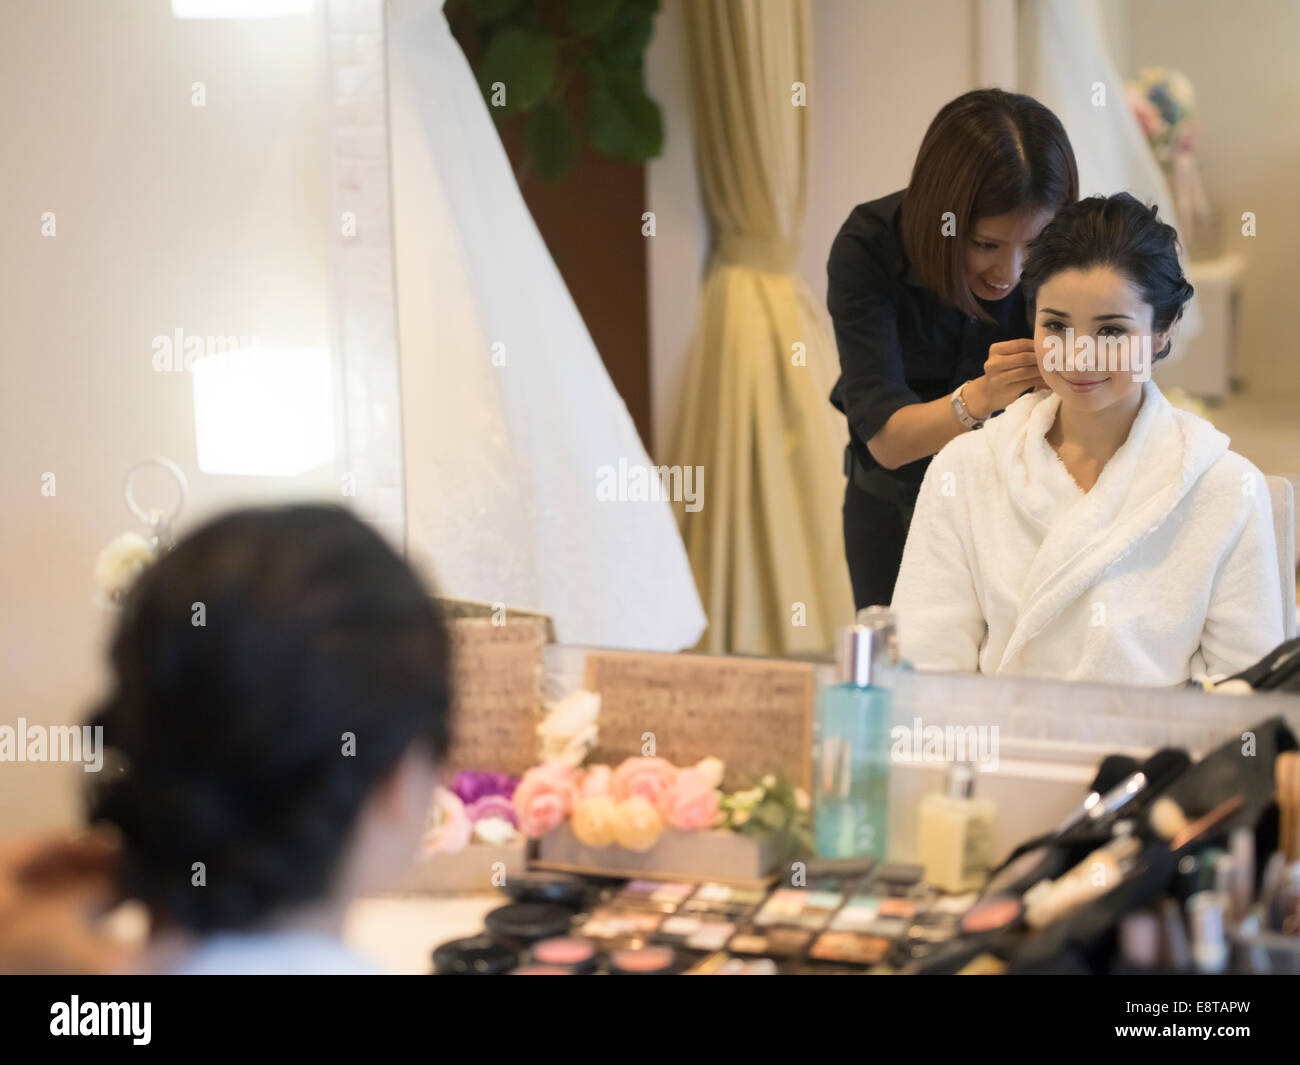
[[1093, 334]]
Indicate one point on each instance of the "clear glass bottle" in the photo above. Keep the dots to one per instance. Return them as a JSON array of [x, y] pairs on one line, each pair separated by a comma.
[[955, 833], [851, 743]]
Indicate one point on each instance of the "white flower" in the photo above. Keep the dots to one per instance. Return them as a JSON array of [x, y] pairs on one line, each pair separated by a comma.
[[120, 563], [712, 769], [569, 729], [496, 831]]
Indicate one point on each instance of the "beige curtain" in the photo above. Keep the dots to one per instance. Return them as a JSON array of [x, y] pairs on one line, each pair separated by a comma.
[[766, 544]]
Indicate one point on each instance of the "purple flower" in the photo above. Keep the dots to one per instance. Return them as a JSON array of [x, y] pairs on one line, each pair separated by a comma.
[[492, 806], [472, 786]]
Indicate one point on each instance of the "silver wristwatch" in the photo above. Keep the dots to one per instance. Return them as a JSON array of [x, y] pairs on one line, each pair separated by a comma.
[[962, 411]]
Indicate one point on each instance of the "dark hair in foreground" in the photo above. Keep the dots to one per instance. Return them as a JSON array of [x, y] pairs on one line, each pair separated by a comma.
[[1122, 233], [987, 153], [226, 738]]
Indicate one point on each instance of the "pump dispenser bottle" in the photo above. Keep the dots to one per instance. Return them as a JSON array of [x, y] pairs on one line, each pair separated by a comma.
[[851, 743]]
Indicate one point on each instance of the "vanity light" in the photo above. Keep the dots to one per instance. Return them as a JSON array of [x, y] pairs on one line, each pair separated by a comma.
[[264, 412], [239, 8]]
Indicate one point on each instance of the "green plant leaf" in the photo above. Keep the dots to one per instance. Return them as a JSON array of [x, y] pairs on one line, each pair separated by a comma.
[[589, 17], [623, 121], [771, 814], [522, 60], [552, 141], [490, 10], [624, 41]]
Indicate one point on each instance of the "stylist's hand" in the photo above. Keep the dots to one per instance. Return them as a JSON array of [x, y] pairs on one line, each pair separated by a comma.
[[53, 888], [1011, 368]]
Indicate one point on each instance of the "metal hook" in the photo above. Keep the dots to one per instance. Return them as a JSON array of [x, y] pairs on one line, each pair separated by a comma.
[[158, 520]]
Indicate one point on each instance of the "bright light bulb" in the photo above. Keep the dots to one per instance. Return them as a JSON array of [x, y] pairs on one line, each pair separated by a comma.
[[264, 412]]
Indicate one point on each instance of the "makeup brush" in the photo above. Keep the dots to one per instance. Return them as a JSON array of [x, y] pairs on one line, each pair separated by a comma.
[[1287, 774], [1202, 825]]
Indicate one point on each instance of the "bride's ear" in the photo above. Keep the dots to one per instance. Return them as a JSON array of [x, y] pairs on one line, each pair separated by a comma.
[[1159, 341]]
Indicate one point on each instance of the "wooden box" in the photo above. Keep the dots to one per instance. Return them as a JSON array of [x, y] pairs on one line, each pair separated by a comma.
[[722, 855]]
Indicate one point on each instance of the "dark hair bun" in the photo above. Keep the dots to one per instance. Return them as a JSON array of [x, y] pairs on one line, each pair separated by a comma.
[[226, 737], [1121, 232]]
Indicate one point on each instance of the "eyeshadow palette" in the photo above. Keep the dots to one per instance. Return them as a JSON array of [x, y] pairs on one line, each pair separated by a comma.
[[725, 900], [696, 931], [841, 921], [776, 942], [662, 895], [619, 922], [799, 908], [855, 947]]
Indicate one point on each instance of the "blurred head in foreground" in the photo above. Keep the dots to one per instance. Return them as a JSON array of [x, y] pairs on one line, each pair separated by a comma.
[[278, 711]]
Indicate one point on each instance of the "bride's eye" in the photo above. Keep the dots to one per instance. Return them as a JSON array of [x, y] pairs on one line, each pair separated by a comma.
[[1111, 331], [1053, 325]]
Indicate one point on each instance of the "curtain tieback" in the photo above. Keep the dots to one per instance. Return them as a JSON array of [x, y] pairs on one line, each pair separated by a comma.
[[775, 255]]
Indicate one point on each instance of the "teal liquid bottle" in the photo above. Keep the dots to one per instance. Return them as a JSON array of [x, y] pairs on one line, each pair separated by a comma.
[[851, 743]]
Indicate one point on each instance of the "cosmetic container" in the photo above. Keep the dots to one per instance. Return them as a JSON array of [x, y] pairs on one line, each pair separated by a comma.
[[851, 743], [955, 833]]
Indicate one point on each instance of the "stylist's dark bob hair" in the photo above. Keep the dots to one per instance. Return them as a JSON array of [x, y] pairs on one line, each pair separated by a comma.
[[1120, 232], [242, 661], [987, 153]]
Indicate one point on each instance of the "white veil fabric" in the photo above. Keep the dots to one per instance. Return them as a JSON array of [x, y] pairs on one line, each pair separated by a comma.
[[1062, 56], [510, 421]]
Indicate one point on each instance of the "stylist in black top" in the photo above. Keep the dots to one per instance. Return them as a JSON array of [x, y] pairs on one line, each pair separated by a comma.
[[930, 323]]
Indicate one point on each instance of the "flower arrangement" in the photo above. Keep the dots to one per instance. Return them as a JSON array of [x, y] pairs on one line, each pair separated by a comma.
[[119, 566], [630, 805], [1164, 103], [477, 808]]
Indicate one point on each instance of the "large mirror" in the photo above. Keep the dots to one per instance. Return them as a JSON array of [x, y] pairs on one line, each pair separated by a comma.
[[557, 297]]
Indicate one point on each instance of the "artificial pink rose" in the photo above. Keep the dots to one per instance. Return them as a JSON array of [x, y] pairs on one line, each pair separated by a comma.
[[450, 831], [595, 782], [544, 798], [691, 803], [1147, 114], [646, 778]]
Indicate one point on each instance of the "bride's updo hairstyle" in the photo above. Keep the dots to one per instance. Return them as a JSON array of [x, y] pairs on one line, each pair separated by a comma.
[[242, 662], [1116, 231]]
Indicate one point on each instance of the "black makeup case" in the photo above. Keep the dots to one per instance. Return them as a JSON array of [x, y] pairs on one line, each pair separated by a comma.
[[1085, 941]]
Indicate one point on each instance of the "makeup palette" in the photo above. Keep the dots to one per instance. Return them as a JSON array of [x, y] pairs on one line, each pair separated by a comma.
[[725, 900], [841, 921], [696, 932], [620, 922], [661, 895], [775, 942], [474, 956], [568, 952], [992, 915], [855, 947], [522, 923], [643, 961]]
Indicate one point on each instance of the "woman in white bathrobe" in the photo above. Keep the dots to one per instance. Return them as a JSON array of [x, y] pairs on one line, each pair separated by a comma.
[[1093, 531]]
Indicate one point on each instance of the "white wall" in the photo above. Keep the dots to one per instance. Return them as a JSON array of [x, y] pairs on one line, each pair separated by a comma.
[[1241, 60], [881, 71], [168, 216]]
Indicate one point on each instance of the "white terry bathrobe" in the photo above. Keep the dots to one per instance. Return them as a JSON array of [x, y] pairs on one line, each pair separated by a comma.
[[1165, 570]]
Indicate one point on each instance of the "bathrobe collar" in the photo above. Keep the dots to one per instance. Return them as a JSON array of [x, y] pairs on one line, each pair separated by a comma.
[[1084, 534]]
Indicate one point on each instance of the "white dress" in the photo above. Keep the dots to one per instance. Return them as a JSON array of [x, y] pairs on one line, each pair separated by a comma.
[[510, 421]]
